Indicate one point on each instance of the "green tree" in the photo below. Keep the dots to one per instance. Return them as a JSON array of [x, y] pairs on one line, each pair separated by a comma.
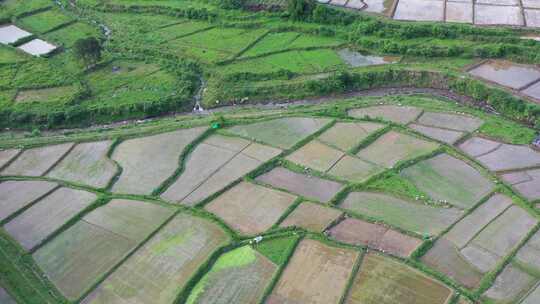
[[88, 51], [300, 9]]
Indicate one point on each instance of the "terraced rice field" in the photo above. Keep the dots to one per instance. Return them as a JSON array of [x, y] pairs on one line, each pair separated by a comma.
[[88, 164], [76, 258], [346, 136], [160, 269], [15, 195], [287, 210], [393, 147], [449, 179], [37, 161], [42, 219], [383, 280], [310, 187], [312, 217], [239, 276], [477, 243], [215, 163], [139, 178], [254, 215], [498, 156], [357, 232], [283, 133], [412, 216], [317, 273]]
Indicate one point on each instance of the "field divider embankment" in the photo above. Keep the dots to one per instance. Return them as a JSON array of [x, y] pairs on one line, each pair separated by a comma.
[[60, 159], [182, 163]]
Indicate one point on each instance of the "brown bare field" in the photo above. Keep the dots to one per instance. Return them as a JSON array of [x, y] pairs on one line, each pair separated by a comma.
[[142, 170], [527, 183], [7, 155], [511, 285], [316, 155], [36, 161], [449, 179], [398, 114], [347, 135], [465, 230], [446, 136], [446, 258], [15, 195], [393, 147], [316, 274], [312, 217], [283, 133], [249, 208], [450, 121], [87, 164], [356, 232], [160, 269], [214, 164], [382, 280], [354, 169], [310, 187], [35, 224]]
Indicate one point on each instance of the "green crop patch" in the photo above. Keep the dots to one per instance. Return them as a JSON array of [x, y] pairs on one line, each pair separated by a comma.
[[10, 55], [61, 95], [238, 276], [273, 42], [17, 7], [67, 36], [277, 249], [301, 62], [215, 44], [171, 32], [45, 21]]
